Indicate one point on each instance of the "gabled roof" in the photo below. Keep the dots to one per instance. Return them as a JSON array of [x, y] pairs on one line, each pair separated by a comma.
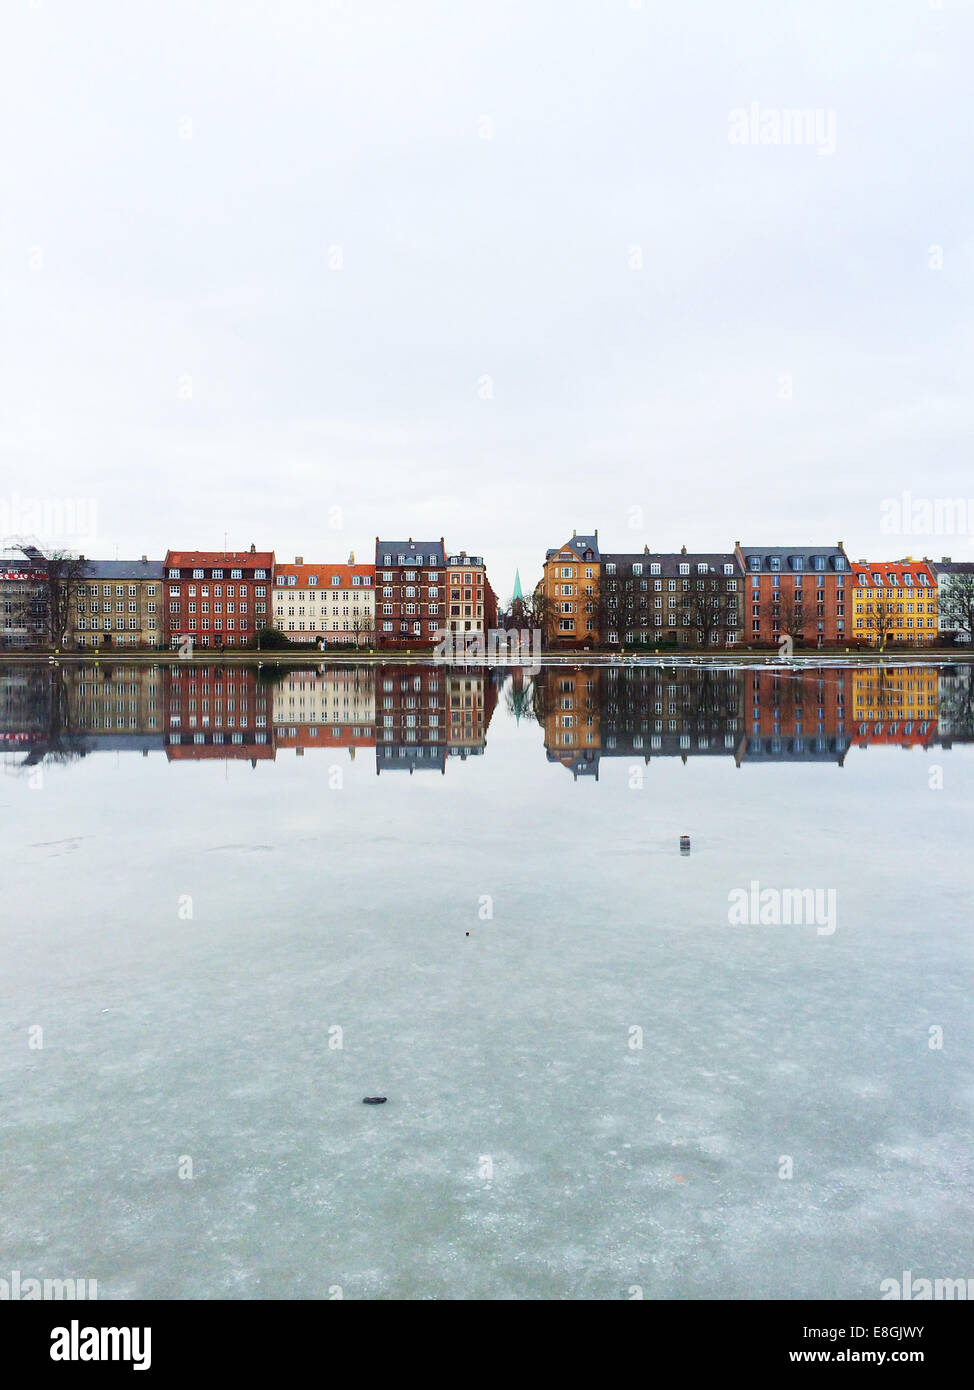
[[579, 544], [891, 573]]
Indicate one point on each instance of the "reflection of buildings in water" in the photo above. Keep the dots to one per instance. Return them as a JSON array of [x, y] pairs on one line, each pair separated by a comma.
[[410, 717], [568, 704], [216, 712], [26, 714], [671, 712], [895, 705], [955, 705], [333, 707], [471, 697], [638, 711], [109, 700], [795, 714], [425, 714]]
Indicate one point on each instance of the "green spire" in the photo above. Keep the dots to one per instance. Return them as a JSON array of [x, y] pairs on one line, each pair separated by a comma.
[[517, 586]]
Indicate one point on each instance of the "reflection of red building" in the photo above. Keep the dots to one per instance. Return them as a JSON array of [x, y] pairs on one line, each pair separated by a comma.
[[791, 712], [216, 712], [410, 717], [217, 598]]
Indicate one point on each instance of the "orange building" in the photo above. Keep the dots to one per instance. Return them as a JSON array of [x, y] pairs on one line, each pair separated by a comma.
[[571, 584]]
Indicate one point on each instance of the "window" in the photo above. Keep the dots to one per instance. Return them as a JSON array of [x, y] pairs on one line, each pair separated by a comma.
[[684, 568]]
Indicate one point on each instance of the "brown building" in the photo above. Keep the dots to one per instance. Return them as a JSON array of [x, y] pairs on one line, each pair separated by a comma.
[[801, 592], [410, 593], [217, 598], [117, 603]]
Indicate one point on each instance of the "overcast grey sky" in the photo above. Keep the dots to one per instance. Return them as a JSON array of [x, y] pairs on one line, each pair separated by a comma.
[[305, 272]]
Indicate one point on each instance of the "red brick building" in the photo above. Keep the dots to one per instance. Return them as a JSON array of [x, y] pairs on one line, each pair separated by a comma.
[[218, 598], [804, 592], [410, 593]]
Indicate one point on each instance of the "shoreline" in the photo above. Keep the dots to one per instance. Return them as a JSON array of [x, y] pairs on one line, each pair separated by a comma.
[[829, 656]]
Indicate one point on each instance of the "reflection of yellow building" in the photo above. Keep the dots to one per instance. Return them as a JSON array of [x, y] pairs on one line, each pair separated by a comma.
[[571, 722], [894, 601], [895, 704]]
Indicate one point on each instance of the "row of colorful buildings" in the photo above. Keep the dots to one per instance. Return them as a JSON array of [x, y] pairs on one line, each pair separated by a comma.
[[751, 596], [411, 594], [416, 717], [404, 598]]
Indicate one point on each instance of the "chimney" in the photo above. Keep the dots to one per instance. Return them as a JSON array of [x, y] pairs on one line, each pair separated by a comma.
[[351, 557], [645, 549], [945, 560], [737, 545], [253, 548], [596, 535], [683, 550], [145, 559], [299, 559], [840, 545], [574, 533]]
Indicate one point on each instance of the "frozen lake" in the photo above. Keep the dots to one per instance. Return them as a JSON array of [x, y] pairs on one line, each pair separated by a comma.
[[218, 937]]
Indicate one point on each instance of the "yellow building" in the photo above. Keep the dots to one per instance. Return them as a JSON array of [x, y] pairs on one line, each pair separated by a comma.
[[894, 601], [571, 586]]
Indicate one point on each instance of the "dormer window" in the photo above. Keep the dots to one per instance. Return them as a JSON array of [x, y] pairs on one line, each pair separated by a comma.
[[728, 569], [292, 579], [654, 567], [312, 579], [774, 562], [281, 579], [819, 562], [799, 562], [702, 567], [840, 563], [610, 569]]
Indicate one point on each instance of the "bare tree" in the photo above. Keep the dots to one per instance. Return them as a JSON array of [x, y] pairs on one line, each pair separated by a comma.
[[362, 628], [708, 606], [786, 612], [64, 573], [957, 603]]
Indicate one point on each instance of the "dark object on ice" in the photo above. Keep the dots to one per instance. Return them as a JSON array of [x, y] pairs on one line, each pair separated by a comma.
[[374, 1100], [684, 844]]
